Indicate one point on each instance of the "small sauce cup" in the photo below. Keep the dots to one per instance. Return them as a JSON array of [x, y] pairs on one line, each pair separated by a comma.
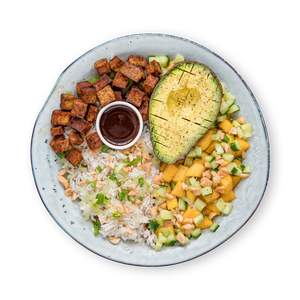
[[119, 125]]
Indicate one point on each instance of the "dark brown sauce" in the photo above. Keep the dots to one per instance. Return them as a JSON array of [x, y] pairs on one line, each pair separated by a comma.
[[119, 125]]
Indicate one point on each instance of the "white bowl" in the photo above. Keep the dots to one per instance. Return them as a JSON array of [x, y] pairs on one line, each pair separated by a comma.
[[135, 110], [67, 214]]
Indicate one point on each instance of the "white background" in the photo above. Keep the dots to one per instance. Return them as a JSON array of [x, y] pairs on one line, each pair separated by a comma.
[[39, 39]]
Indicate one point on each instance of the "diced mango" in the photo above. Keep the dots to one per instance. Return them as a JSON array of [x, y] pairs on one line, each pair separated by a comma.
[[226, 125], [226, 183], [229, 196], [169, 172], [212, 207], [162, 167], [235, 180], [205, 141], [211, 148], [178, 191], [205, 223], [211, 198], [180, 175], [191, 213], [195, 170], [171, 204], [190, 195], [243, 144]]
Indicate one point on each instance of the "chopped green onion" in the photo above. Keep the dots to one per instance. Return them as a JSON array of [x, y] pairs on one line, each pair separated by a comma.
[[92, 184], [101, 199], [123, 195], [141, 181], [134, 162], [98, 169], [116, 214], [96, 227], [153, 225], [104, 148], [61, 155], [94, 79], [226, 138]]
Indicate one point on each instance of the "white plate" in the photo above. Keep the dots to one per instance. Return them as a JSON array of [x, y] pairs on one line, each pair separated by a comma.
[[67, 214]]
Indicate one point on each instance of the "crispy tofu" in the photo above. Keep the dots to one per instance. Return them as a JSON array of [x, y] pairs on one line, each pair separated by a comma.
[[150, 83], [153, 68], [106, 95], [81, 125], [144, 108], [135, 96], [92, 113], [132, 72], [60, 117], [102, 66], [58, 130], [90, 98], [116, 63], [60, 144], [120, 81], [67, 101], [93, 141], [74, 156], [137, 60], [102, 82], [118, 95], [81, 86], [79, 109], [75, 138]]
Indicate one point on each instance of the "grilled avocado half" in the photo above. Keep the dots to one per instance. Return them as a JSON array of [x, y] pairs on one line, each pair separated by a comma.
[[183, 106]]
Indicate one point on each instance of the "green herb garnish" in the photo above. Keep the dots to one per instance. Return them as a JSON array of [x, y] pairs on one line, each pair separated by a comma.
[[153, 225], [226, 139], [101, 199], [94, 79], [98, 169], [61, 155], [96, 227], [123, 195], [141, 181], [92, 184], [116, 214], [134, 162], [104, 148]]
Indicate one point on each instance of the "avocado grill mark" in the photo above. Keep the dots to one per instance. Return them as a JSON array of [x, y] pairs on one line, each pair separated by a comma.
[[159, 117]]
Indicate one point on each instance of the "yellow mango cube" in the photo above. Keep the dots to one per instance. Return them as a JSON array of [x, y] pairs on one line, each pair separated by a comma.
[[180, 175], [191, 213], [195, 170], [206, 140], [229, 196], [226, 183], [190, 195], [169, 172], [205, 223], [226, 125], [243, 144], [235, 180], [178, 191], [211, 148], [211, 198], [171, 204], [213, 208]]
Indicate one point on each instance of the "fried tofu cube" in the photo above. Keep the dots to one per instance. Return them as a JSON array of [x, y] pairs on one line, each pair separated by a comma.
[[79, 109], [90, 98], [92, 113], [60, 117], [153, 68], [75, 138], [93, 141], [102, 66], [60, 144], [81, 125], [120, 81], [137, 60], [116, 63], [132, 72], [74, 156], [81, 86], [106, 95], [67, 101], [135, 96], [58, 130], [102, 82], [144, 108], [150, 83], [118, 95]]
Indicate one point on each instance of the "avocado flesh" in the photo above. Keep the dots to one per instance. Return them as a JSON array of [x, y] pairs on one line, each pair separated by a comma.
[[183, 106]]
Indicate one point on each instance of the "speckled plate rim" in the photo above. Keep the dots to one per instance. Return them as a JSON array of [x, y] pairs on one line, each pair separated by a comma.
[[253, 99]]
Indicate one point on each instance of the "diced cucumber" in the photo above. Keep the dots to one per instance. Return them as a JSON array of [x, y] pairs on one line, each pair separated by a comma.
[[245, 169], [214, 165], [233, 108], [214, 227], [163, 60], [178, 58], [199, 204], [166, 231], [219, 149], [182, 204], [228, 156], [162, 239], [158, 246], [206, 191], [247, 130], [224, 207], [196, 152], [196, 233], [193, 182], [198, 219], [226, 103], [226, 138], [166, 214], [235, 146], [209, 158], [233, 169], [160, 221], [171, 240], [161, 191]]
